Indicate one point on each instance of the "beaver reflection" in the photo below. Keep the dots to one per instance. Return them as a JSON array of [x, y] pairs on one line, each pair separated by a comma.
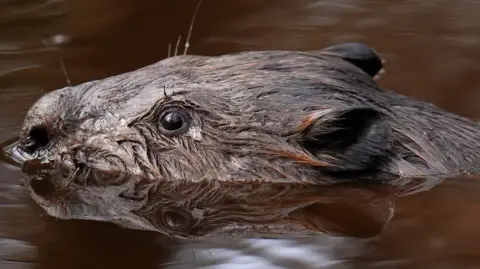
[[85, 244]]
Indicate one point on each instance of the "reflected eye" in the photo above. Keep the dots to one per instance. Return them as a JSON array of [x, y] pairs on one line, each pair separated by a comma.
[[177, 220], [173, 122]]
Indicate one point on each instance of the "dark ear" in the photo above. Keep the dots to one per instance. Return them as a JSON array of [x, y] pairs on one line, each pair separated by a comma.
[[358, 54], [349, 140]]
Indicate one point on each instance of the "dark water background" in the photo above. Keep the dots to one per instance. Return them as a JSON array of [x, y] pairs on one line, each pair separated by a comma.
[[432, 51]]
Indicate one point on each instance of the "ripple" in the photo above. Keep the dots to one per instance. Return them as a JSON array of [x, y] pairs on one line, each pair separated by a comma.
[[11, 249], [32, 9]]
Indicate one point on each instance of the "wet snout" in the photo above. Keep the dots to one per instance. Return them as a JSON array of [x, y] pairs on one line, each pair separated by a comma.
[[35, 171]]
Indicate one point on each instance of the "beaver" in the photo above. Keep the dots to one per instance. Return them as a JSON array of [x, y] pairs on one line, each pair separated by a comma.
[[242, 143]]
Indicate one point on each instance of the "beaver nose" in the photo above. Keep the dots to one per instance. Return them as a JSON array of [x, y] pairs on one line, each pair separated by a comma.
[[37, 138]]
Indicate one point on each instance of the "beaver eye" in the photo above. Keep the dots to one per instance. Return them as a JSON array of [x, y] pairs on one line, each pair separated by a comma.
[[173, 122]]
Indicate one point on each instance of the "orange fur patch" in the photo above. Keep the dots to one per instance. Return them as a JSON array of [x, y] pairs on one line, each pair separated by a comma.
[[306, 123]]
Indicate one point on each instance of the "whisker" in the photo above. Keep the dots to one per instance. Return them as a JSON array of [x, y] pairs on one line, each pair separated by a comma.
[[187, 42], [169, 50], [178, 44], [70, 180], [64, 70]]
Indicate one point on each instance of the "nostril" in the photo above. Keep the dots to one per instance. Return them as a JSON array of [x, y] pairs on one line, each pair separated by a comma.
[[42, 186], [37, 138]]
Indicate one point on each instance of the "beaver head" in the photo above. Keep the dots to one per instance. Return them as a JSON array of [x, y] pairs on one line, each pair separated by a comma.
[[195, 146]]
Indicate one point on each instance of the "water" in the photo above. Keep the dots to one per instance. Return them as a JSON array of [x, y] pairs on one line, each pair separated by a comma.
[[431, 48]]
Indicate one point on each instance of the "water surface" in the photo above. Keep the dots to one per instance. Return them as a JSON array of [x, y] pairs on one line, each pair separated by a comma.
[[432, 52]]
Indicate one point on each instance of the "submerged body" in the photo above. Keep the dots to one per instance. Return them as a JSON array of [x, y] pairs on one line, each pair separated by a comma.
[[243, 143]]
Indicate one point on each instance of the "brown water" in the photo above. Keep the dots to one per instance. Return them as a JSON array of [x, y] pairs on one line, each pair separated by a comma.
[[432, 50]]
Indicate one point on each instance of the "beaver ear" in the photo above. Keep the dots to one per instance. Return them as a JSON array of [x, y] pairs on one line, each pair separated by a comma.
[[358, 54], [349, 140]]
